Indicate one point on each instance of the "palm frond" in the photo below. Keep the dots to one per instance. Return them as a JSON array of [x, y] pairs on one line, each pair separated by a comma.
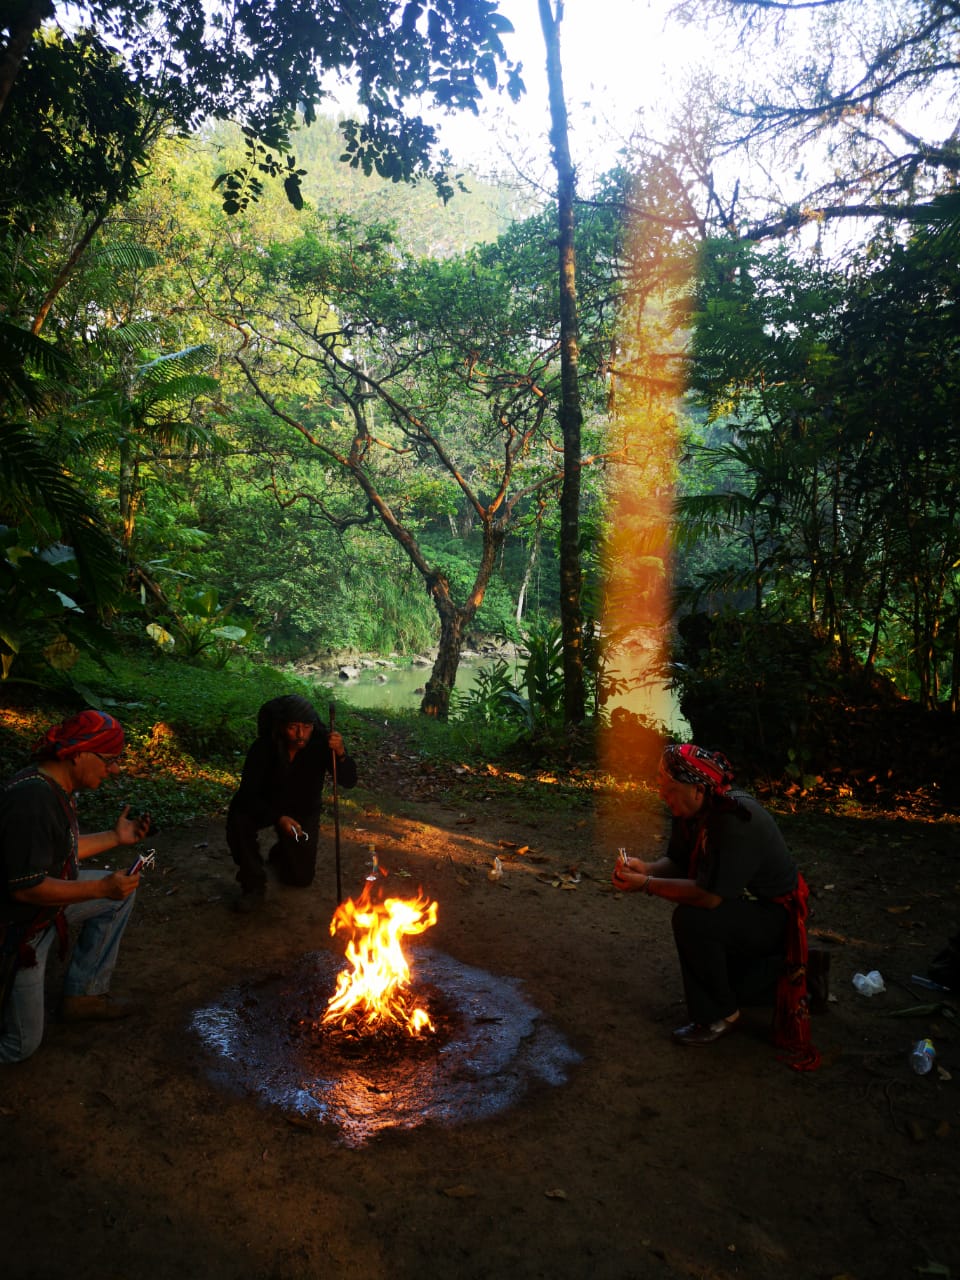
[[31, 479], [31, 369], [127, 255]]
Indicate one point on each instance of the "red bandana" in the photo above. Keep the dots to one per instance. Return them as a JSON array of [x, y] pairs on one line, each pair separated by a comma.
[[690, 763], [89, 731]]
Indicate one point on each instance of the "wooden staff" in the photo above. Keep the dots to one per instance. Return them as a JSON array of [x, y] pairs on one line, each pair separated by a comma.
[[336, 812]]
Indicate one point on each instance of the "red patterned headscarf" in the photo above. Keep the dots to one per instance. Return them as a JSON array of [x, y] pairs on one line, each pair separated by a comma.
[[89, 731], [686, 762]]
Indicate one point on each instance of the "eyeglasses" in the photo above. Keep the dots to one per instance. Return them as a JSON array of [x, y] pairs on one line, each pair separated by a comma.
[[109, 761]]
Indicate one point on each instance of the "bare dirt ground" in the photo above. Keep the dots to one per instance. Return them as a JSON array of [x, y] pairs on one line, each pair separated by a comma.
[[123, 1157]]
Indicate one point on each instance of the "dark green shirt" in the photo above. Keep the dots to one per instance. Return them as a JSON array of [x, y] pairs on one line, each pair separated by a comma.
[[744, 852], [38, 838]]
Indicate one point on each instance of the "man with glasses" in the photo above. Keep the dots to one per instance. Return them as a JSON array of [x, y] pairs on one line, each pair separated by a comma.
[[43, 889]]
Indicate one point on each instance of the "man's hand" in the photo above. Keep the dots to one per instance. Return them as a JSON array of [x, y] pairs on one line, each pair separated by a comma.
[[335, 743], [129, 830], [290, 828], [118, 885]]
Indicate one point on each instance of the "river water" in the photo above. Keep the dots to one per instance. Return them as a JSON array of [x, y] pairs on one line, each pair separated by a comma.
[[400, 688]]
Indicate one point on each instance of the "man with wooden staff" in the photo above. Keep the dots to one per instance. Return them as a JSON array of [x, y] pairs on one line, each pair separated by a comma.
[[281, 787]]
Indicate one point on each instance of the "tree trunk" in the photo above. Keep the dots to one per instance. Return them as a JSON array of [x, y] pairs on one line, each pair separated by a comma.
[[21, 37], [455, 620], [528, 573], [127, 492], [571, 415], [443, 677]]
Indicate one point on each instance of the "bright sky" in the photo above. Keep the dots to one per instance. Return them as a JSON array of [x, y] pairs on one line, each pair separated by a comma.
[[617, 56]]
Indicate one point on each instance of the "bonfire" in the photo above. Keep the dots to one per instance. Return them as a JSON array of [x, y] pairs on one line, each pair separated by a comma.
[[373, 995]]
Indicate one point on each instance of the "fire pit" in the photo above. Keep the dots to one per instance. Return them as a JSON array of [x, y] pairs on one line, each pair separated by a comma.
[[453, 1045]]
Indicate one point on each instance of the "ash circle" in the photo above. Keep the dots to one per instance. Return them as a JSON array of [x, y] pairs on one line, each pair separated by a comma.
[[491, 1046]]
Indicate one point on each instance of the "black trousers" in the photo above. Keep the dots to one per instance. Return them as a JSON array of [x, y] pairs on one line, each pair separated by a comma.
[[730, 955], [295, 861]]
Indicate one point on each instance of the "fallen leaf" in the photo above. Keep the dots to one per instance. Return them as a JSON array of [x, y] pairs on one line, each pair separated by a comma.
[[896, 911], [460, 1192], [506, 844], [557, 1193]]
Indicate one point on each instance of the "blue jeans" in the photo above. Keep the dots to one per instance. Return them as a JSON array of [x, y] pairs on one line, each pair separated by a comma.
[[92, 958]]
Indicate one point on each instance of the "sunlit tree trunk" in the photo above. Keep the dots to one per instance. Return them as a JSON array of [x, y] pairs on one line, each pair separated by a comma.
[[532, 559], [571, 414]]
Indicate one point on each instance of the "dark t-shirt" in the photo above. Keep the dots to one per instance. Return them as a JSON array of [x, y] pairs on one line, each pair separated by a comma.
[[36, 840], [740, 856]]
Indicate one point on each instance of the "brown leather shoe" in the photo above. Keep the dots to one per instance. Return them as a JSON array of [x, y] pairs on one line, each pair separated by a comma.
[[105, 1008], [700, 1033]]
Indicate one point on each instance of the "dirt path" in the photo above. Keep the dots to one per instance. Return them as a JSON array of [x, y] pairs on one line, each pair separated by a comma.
[[124, 1157]]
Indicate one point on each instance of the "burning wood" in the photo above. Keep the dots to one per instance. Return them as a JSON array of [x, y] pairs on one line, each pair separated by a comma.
[[372, 996]]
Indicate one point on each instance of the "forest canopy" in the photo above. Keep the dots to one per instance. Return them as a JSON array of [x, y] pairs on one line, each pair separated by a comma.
[[257, 405]]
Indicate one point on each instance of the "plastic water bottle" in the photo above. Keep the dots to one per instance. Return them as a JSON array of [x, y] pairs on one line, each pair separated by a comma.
[[869, 984], [922, 1057]]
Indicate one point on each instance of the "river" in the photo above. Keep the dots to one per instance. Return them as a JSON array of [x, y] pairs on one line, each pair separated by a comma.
[[400, 688]]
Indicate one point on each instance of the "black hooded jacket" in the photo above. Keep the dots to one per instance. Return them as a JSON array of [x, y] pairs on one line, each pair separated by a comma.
[[271, 784]]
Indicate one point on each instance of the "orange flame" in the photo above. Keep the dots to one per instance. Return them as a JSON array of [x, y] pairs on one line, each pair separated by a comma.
[[371, 996]]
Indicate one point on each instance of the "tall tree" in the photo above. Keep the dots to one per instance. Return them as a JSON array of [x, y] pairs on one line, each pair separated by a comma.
[[407, 378], [571, 412]]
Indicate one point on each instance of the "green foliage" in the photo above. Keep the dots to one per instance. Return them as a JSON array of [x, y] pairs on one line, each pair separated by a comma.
[[833, 486], [42, 625], [199, 627], [205, 709], [750, 685], [530, 697], [261, 64], [75, 128], [493, 698]]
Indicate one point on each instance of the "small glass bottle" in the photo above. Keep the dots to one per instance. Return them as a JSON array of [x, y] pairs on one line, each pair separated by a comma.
[[922, 1057]]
